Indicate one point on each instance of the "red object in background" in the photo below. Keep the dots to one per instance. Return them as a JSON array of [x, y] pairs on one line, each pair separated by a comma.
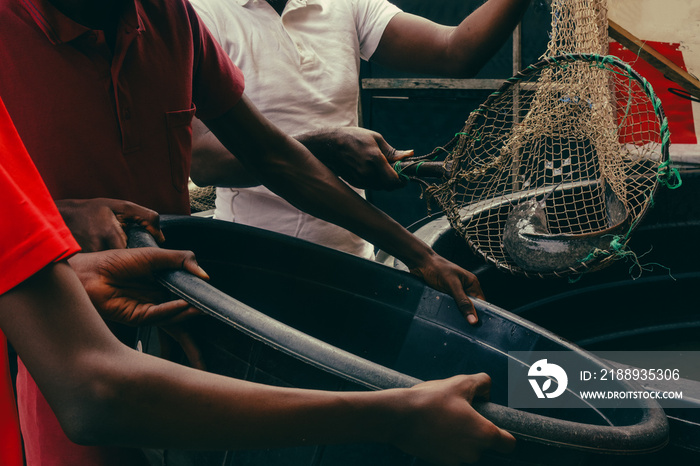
[[679, 110]]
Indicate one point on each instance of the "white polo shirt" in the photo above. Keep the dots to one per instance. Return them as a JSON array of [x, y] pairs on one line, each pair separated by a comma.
[[302, 71]]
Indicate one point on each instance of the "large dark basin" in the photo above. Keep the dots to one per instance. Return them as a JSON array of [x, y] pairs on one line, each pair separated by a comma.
[[380, 316]]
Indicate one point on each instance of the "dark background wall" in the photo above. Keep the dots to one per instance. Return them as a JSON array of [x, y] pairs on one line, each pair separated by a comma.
[[428, 118]]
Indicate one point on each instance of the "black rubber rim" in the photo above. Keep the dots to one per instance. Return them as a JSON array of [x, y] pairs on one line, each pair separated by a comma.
[[648, 435]]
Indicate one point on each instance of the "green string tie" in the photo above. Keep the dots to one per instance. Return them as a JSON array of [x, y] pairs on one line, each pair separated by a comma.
[[560, 65], [669, 176], [399, 171], [475, 134], [618, 247]]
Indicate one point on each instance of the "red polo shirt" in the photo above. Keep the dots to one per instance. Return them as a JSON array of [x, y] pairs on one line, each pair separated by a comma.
[[107, 122], [37, 237], [115, 124]]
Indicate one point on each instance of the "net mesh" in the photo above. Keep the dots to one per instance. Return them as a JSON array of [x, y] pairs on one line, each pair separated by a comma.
[[581, 131], [201, 198]]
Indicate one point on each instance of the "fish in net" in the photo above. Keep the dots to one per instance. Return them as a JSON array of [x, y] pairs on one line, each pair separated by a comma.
[[552, 173]]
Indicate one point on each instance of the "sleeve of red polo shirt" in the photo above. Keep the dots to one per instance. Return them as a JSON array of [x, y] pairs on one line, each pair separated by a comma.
[[217, 83], [33, 235]]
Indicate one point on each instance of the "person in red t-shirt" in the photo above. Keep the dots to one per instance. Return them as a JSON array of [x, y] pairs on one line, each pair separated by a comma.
[[106, 393], [34, 235]]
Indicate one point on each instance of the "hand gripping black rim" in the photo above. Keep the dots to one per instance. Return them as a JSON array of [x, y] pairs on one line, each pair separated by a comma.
[[650, 434]]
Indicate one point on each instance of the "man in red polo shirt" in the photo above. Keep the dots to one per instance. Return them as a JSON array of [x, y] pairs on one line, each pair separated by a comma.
[[103, 93], [104, 392], [104, 107]]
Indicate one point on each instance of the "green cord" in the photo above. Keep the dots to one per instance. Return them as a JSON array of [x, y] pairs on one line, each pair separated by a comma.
[[399, 171], [667, 174], [476, 135], [563, 66]]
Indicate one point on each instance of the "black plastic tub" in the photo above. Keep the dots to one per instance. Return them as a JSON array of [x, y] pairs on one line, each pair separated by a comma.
[[390, 329], [621, 308]]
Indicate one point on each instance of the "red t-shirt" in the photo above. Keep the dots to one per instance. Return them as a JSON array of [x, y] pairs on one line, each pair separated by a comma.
[[33, 235]]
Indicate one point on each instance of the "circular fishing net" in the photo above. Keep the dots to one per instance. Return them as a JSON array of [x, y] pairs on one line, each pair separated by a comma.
[[550, 175]]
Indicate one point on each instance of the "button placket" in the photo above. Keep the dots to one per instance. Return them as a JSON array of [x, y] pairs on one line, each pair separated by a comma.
[[305, 55]]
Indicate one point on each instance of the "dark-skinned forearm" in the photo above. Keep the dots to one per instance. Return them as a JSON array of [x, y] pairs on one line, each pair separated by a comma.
[[286, 167], [213, 412], [326, 196], [415, 44], [213, 164], [485, 30], [106, 393], [319, 144]]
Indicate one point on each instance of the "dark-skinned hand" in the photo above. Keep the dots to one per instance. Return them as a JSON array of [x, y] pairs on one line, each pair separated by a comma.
[[449, 278], [122, 286], [442, 427], [359, 156], [98, 224]]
